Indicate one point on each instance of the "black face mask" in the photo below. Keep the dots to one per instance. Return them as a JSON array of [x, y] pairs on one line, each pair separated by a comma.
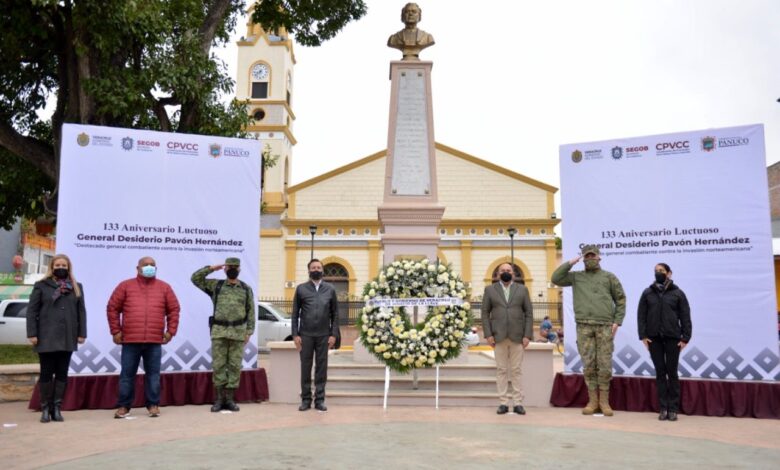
[[660, 278], [231, 273], [506, 277], [60, 273], [315, 275]]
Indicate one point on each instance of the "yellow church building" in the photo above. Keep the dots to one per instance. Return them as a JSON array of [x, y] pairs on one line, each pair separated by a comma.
[[340, 206]]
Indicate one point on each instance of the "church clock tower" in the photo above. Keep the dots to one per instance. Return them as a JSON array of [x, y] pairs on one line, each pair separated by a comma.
[[265, 79]]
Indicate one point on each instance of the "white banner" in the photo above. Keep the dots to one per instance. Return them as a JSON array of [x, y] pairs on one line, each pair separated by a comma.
[[185, 200], [697, 201], [415, 302]]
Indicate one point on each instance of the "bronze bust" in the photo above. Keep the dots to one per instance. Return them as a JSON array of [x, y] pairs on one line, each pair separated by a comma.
[[410, 40]]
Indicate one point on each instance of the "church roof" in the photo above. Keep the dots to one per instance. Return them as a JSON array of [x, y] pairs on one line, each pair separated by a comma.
[[449, 150]]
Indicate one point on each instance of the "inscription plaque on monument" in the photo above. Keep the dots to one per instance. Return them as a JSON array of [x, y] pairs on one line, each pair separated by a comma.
[[411, 171]]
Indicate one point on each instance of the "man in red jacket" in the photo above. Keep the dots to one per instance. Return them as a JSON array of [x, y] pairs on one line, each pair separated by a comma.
[[139, 311]]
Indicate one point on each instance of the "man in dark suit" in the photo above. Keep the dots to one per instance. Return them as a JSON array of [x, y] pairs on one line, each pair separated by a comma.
[[507, 322], [315, 325]]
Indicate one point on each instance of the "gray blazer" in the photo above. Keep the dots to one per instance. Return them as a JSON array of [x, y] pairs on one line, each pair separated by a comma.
[[513, 320], [315, 313], [57, 323]]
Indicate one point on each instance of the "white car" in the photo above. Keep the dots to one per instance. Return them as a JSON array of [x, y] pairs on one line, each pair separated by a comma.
[[472, 337], [13, 321], [272, 325]]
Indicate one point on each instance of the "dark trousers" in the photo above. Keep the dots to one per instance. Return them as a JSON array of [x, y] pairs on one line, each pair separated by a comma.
[[54, 365], [314, 347], [132, 354], [666, 355]]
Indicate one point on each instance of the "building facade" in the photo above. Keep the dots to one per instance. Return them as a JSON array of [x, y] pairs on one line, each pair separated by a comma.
[[482, 200]]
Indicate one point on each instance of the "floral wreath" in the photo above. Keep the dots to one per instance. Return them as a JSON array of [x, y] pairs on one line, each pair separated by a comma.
[[387, 331]]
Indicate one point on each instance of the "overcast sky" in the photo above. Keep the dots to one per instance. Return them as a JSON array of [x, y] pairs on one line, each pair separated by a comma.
[[512, 80]]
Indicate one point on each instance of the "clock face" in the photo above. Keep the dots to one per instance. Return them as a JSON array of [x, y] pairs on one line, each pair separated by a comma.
[[260, 72]]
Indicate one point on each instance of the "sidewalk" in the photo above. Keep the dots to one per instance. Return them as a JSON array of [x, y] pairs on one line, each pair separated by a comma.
[[278, 436]]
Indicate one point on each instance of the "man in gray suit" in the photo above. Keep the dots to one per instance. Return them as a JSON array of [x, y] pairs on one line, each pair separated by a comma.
[[507, 322], [315, 325]]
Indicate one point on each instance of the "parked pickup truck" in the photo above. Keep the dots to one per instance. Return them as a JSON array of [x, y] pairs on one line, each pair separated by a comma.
[[272, 325], [13, 321]]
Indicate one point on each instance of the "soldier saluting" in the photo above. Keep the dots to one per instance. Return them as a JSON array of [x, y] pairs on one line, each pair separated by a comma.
[[231, 324]]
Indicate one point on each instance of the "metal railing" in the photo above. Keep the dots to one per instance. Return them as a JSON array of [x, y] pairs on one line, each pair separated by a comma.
[[350, 310]]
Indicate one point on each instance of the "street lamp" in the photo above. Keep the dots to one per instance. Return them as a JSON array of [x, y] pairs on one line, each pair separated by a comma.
[[312, 231], [512, 231]]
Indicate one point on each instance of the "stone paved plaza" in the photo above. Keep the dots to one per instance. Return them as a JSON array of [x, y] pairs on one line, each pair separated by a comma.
[[270, 436]]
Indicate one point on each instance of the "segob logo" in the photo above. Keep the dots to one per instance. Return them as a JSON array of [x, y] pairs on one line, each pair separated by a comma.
[[708, 144], [215, 150], [82, 139], [127, 143], [576, 156], [617, 153]]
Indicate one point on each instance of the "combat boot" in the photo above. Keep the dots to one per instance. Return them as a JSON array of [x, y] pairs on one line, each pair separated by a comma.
[[218, 398], [230, 404], [604, 402], [593, 402]]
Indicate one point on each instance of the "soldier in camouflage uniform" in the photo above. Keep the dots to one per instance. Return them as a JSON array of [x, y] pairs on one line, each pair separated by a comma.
[[232, 324], [599, 308]]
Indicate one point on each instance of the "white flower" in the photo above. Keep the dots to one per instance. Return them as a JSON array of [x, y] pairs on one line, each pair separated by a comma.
[[371, 293], [432, 267], [386, 355], [371, 332], [431, 361], [432, 354], [374, 284], [442, 268], [390, 271]]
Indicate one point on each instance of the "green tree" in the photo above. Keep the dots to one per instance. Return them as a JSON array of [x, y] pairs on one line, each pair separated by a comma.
[[144, 64]]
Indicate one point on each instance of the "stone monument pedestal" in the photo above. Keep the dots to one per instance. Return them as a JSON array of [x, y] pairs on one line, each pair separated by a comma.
[[410, 213]]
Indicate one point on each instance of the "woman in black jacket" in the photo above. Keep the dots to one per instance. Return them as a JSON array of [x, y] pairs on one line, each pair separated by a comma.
[[664, 320], [56, 324]]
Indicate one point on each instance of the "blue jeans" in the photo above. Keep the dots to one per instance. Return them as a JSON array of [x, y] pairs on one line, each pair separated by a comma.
[[131, 357]]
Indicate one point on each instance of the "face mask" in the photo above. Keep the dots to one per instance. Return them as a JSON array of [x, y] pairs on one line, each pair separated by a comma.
[[231, 273], [148, 271], [591, 264], [315, 275], [60, 273], [660, 278], [506, 277]]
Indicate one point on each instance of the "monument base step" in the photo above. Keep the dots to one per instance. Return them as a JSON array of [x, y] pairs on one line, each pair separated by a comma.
[[411, 398]]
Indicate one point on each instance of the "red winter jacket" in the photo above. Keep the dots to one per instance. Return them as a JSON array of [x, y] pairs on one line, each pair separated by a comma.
[[139, 309]]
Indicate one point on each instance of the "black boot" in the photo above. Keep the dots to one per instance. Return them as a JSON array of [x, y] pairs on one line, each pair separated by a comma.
[[46, 392], [218, 397], [230, 403], [59, 392]]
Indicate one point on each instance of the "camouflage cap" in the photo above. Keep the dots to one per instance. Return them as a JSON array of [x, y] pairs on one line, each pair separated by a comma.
[[233, 261], [590, 249]]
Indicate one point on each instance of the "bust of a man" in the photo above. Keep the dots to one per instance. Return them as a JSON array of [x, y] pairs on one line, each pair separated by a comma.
[[410, 40]]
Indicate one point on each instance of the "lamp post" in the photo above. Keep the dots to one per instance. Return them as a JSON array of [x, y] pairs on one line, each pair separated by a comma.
[[312, 231], [512, 231]]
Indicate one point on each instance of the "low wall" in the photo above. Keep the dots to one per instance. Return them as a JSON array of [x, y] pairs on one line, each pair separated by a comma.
[[17, 381]]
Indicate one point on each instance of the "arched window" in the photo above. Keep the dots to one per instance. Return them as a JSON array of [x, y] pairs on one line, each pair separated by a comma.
[[261, 72], [519, 277], [338, 276]]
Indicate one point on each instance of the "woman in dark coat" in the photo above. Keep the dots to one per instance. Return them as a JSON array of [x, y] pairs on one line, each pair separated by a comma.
[[664, 320], [56, 324]]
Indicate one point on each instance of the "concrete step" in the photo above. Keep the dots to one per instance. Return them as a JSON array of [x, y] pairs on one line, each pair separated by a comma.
[[406, 383], [378, 370], [410, 398]]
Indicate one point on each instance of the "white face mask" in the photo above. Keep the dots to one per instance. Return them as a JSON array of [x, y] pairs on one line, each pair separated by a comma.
[[148, 271]]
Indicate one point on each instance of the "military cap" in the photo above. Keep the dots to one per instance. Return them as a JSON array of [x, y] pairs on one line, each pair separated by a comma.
[[233, 261], [590, 249]]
